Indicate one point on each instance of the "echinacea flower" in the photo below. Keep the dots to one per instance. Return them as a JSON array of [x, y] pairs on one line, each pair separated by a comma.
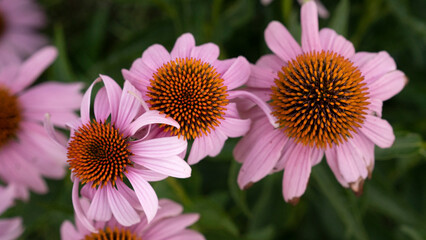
[[168, 224], [327, 99], [26, 152], [10, 228], [193, 87], [103, 152], [19, 22]]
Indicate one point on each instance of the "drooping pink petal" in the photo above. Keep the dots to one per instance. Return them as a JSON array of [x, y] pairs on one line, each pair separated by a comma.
[[331, 157], [85, 103], [79, 213], [123, 212], [223, 65], [237, 74], [11, 228], [333, 42], [234, 127], [33, 67], [207, 52], [101, 106], [159, 147], [129, 194], [7, 195], [113, 91], [149, 175], [375, 107], [388, 85], [145, 193], [378, 130], [68, 232], [183, 46], [377, 66], [129, 106], [151, 117], [186, 234], [272, 62], [168, 208], [261, 156], [51, 133], [261, 77], [316, 156], [168, 227], [280, 41], [362, 58], [350, 162], [155, 56], [207, 146], [296, 172], [309, 21], [99, 207], [173, 166]]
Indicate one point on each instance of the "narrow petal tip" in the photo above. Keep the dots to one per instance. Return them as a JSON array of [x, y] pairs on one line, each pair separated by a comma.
[[357, 187], [294, 201]]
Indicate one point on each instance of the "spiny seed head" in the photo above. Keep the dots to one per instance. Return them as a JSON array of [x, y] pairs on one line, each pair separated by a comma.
[[10, 115], [192, 93], [116, 234], [320, 99], [98, 153]]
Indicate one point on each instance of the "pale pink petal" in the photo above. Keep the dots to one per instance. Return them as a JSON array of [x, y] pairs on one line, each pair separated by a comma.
[[139, 77], [272, 62], [378, 130], [145, 194], [88, 191], [129, 106], [333, 42], [350, 162], [33, 67], [155, 57], [316, 156], [261, 77], [99, 208], [149, 175], [237, 74], [361, 58], [280, 41], [101, 106], [207, 52], [51, 133], [331, 157], [7, 195], [114, 93], [68, 231], [223, 65], [296, 172], [159, 147], [209, 145], [11, 228], [377, 66], [261, 156], [8, 74], [183, 46], [123, 212], [151, 117], [168, 208], [173, 166], [366, 147], [261, 104], [375, 107], [309, 21], [129, 194], [388, 85], [79, 213], [168, 227], [234, 127], [85, 103]]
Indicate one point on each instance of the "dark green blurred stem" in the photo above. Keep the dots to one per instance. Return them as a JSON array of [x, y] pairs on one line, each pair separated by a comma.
[[286, 6], [172, 13], [236, 194], [338, 202], [61, 66], [179, 191]]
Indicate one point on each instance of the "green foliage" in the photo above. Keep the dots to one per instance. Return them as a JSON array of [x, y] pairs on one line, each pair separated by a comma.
[[105, 36]]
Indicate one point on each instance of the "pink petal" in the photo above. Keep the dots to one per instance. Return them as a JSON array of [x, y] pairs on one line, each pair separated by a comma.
[[151, 117], [6, 197], [149, 175], [375, 107], [223, 65], [183, 46], [186, 234], [168, 227], [33, 67], [316, 156], [11, 228], [129, 106], [68, 231], [139, 76], [296, 172], [388, 85], [309, 21], [377, 66], [51, 133], [168, 208], [145, 194], [234, 127], [99, 209], [85, 103], [261, 77], [159, 147], [237, 74], [173, 166], [261, 156], [207, 52], [114, 93], [333, 42], [101, 106], [361, 58], [121, 208], [155, 57], [272, 62], [280, 41], [378, 130], [129, 194], [331, 157], [79, 213], [350, 162], [209, 145]]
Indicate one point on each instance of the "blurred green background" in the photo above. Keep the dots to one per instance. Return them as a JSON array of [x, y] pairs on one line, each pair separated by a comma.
[[105, 36]]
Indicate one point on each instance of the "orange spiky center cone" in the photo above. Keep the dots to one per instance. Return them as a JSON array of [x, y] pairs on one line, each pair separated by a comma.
[[10, 115], [112, 234]]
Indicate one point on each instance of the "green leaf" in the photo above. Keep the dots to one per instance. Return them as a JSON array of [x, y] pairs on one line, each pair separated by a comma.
[[61, 67], [405, 145]]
